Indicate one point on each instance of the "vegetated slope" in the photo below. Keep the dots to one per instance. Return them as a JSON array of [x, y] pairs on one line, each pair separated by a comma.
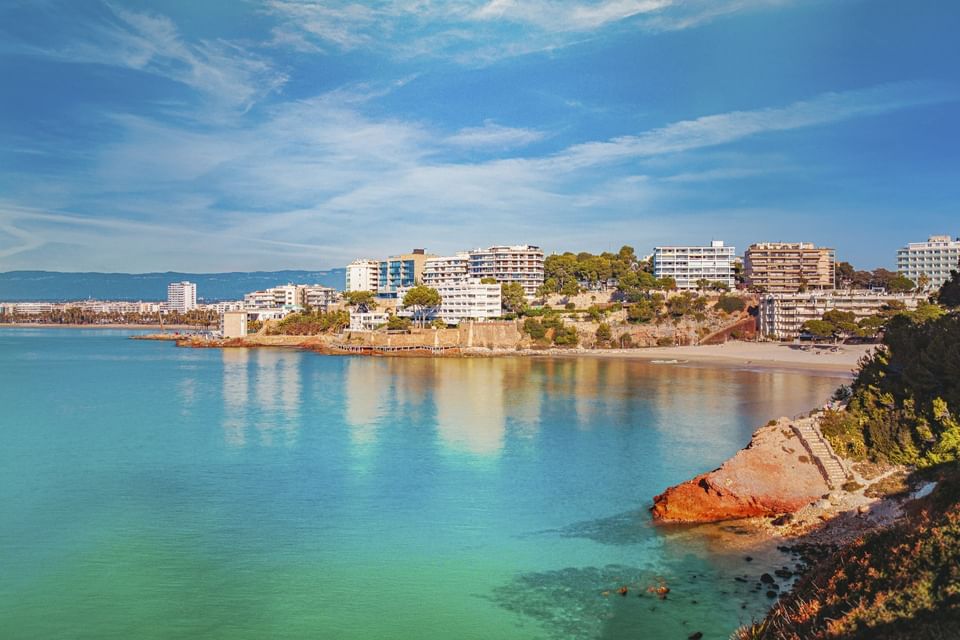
[[898, 583], [905, 402]]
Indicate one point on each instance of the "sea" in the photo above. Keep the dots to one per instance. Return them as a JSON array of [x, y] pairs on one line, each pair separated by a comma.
[[151, 491]]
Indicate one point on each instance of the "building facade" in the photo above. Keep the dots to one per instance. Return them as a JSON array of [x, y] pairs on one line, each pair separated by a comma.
[[789, 267], [446, 269], [181, 296], [933, 259], [469, 300], [363, 275], [781, 315], [688, 265], [505, 264], [400, 272]]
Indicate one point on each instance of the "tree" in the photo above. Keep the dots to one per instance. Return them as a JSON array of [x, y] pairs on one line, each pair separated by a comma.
[[900, 284], [819, 329], [397, 323], [421, 298], [666, 284], [512, 297], [488, 280], [359, 298], [949, 294]]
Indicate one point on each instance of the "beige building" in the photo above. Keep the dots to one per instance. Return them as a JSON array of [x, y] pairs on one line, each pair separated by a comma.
[[789, 267], [233, 324], [516, 263], [781, 315]]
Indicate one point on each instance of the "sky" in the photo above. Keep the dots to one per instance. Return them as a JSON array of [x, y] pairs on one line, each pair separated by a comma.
[[244, 135]]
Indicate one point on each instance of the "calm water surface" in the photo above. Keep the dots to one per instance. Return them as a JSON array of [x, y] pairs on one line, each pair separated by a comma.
[[148, 491]]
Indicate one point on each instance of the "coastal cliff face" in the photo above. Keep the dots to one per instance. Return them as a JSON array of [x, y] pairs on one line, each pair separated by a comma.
[[774, 474]]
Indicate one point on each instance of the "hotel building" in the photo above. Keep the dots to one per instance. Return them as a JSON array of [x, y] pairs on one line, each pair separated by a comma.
[[688, 265], [290, 296], [181, 296], [446, 269], [934, 259], [505, 264], [402, 271], [363, 275], [789, 267], [469, 300], [781, 315]]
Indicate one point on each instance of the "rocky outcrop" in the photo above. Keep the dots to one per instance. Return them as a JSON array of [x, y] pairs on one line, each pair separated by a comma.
[[774, 474]]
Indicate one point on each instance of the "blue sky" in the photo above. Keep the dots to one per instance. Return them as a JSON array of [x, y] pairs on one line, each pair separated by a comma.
[[266, 134]]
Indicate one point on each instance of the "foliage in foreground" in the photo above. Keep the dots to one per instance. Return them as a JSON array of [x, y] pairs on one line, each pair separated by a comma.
[[905, 402], [898, 583]]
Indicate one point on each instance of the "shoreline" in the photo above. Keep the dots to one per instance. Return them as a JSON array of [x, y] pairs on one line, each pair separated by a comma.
[[48, 325], [838, 360]]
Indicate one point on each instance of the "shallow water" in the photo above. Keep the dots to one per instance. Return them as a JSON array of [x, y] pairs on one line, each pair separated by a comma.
[[154, 492]]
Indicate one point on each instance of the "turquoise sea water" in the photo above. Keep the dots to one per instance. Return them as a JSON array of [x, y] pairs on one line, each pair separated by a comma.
[[148, 491]]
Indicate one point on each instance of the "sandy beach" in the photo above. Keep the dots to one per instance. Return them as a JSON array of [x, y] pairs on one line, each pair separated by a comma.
[[765, 355]]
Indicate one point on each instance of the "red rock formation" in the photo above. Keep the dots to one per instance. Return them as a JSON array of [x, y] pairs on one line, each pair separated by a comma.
[[773, 474]]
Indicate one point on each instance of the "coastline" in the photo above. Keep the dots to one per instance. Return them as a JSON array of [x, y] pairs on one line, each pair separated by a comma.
[[154, 326]]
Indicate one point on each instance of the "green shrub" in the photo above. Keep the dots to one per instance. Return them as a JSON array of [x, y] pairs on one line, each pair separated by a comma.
[[730, 304]]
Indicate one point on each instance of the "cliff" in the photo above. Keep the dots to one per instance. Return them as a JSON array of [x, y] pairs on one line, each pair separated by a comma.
[[775, 473]]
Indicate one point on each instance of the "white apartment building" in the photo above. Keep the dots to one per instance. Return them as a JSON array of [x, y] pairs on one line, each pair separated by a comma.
[[181, 296], [287, 295], [934, 259], [446, 269], [687, 265], [318, 296], [468, 300], [517, 263], [363, 275], [781, 315]]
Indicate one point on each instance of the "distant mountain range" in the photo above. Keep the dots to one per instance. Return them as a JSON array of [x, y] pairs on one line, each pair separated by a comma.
[[23, 286]]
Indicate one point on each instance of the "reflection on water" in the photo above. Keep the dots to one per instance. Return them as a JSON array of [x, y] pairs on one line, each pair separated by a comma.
[[275, 382], [366, 389], [236, 394], [470, 406]]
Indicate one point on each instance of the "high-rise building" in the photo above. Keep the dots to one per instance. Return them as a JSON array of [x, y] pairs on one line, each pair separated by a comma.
[[933, 259], [689, 265], [363, 275], [401, 271], [789, 267], [505, 264], [181, 296]]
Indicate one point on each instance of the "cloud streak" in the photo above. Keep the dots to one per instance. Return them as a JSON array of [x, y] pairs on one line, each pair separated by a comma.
[[318, 180]]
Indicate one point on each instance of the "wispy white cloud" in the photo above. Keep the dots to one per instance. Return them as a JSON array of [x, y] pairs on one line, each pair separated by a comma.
[[493, 135], [226, 73], [482, 31], [723, 128], [320, 181]]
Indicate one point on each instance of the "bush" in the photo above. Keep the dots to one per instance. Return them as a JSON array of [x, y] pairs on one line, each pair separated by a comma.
[[398, 323], [730, 304], [534, 328], [565, 337], [570, 306], [604, 334]]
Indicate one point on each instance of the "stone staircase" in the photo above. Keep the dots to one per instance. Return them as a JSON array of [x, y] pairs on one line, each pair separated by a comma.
[[828, 462]]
